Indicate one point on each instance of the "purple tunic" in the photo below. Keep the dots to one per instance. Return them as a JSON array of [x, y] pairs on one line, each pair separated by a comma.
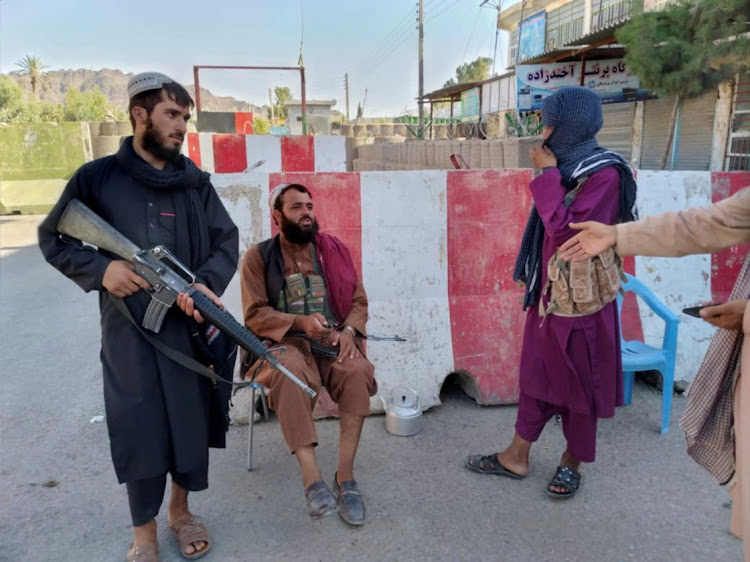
[[573, 362]]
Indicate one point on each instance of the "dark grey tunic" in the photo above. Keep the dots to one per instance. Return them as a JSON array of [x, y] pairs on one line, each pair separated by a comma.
[[158, 412]]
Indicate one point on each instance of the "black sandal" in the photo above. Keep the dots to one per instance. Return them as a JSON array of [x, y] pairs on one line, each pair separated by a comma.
[[488, 464], [567, 478]]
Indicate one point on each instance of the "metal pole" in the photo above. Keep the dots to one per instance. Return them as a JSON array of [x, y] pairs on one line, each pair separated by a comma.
[[197, 83], [431, 106], [346, 79], [421, 68], [304, 100]]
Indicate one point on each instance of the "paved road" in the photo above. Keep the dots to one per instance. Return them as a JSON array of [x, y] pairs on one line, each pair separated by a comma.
[[59, 500]]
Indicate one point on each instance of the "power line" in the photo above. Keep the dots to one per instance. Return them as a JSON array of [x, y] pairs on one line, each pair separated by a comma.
[[471, 35], [391, 48], [402, 25], [401, 33], [433, 18], [492, 33]]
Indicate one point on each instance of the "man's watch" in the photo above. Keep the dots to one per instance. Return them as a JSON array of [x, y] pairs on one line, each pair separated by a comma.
[[351, 329]]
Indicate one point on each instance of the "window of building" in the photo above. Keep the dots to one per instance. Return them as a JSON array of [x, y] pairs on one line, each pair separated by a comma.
[[738, 145]]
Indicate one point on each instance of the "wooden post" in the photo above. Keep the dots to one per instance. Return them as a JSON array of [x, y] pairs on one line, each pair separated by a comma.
[[637, 145], [722, 119]]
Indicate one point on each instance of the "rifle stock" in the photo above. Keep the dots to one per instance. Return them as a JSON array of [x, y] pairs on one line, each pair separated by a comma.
[[82, 223]]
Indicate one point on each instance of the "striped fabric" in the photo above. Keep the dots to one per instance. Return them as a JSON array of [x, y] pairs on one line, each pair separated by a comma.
[[707, 419]]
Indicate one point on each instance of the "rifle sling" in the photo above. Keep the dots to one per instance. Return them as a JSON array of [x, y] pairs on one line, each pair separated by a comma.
[[176, 356]]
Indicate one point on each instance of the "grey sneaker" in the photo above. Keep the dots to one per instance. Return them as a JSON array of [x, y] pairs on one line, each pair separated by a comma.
[[320, 500], [351, 504]]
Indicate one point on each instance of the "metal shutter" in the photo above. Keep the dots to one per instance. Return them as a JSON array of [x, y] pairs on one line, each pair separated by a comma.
[[695, 133], [617, 131], [655, 121]]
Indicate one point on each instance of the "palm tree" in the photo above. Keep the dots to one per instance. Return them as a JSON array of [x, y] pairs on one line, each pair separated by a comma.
[[32, 67]]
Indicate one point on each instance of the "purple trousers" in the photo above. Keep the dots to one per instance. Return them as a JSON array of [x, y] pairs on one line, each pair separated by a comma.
[[579, 429]]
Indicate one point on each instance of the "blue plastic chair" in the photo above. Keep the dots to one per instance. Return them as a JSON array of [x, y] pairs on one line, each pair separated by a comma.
[[638, 356]]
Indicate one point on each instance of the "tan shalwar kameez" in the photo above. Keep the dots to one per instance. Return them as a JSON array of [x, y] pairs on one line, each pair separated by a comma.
[[350, 383], [696, 231]]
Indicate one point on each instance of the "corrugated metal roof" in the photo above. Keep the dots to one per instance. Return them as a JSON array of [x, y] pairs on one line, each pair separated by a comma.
[[602, 33], [575, 46], [449, 92]]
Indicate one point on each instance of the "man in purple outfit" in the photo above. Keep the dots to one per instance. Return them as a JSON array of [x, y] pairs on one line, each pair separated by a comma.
[[570, 366]]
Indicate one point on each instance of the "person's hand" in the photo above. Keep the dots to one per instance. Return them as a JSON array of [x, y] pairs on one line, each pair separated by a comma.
[[728, 315], [593, 239], [542, 157], [185, 302], [315, 326], [345, 342], [121, 280]]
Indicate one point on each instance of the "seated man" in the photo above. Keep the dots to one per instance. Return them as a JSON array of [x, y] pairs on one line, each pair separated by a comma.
[[297, 287]]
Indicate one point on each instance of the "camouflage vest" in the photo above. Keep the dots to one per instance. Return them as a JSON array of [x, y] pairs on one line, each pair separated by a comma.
[[305, 295], [581, 288]]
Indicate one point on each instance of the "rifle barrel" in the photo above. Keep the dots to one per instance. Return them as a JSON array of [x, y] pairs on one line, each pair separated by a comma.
[[244, 337]]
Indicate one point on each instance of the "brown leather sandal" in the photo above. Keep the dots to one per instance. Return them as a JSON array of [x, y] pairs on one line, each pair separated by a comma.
[[188, 531], [143, 553]]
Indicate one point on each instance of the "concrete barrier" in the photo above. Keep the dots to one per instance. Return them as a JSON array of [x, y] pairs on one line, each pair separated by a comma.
[[234, 153], [689, 280], [435, 250]]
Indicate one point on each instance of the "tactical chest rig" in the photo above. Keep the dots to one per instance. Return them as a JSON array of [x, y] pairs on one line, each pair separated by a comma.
[[584, 287]]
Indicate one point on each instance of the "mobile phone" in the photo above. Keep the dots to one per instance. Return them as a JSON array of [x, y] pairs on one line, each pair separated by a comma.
[[695, 310]]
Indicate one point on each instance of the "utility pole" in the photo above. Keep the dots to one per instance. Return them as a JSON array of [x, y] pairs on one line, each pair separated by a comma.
[[346, 81], [421, 67], [270, 102]]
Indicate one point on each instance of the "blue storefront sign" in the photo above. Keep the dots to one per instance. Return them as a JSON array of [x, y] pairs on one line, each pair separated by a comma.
[[470, 103], [609, 78], [533, 32]]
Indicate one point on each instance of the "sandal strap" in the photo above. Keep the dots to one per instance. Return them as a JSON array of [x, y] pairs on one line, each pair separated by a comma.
[[567, 478], [190, 530], [143, 552], [485, 462]]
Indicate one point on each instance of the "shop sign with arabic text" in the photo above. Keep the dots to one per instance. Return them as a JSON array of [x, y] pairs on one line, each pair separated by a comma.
[[609, 78]]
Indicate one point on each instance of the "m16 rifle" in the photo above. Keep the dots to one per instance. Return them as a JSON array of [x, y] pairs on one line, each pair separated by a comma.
[[168, 278]]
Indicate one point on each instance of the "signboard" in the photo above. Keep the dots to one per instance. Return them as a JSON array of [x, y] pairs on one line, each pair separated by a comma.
[[533, 33], [470, 103], [609, 78]]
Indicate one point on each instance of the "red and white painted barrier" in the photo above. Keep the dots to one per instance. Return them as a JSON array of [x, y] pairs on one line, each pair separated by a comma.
[[436, 249], [234, 153]]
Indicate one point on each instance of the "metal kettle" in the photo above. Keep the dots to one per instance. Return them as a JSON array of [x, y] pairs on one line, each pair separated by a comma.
[[403, 415]]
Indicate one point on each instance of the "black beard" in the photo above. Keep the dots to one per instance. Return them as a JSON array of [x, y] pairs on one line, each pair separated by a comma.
[[152, 144], [297, 234]]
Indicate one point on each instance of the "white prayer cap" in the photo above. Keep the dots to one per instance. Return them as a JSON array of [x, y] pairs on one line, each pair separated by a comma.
[[146, 81], [275, 192]]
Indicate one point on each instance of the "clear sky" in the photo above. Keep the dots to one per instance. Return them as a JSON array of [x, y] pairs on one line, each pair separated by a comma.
[[374, 41]]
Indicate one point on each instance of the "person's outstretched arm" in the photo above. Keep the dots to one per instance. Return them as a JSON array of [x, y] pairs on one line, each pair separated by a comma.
[[691, 231]]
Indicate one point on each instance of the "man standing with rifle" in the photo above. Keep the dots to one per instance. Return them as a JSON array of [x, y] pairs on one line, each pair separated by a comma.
[[161, 416]]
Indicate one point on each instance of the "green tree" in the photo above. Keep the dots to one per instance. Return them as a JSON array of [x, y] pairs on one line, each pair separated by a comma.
[[14, 108], [32, 67], [687, 49], [86, 106], [46, 111], [474, 71], [11, 99], [282, 94], [261, 125]]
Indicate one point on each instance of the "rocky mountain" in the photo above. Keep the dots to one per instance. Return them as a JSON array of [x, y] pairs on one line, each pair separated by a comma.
[[113, 84]]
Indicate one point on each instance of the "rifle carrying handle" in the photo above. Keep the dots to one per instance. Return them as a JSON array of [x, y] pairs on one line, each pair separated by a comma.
[[244, 337]]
